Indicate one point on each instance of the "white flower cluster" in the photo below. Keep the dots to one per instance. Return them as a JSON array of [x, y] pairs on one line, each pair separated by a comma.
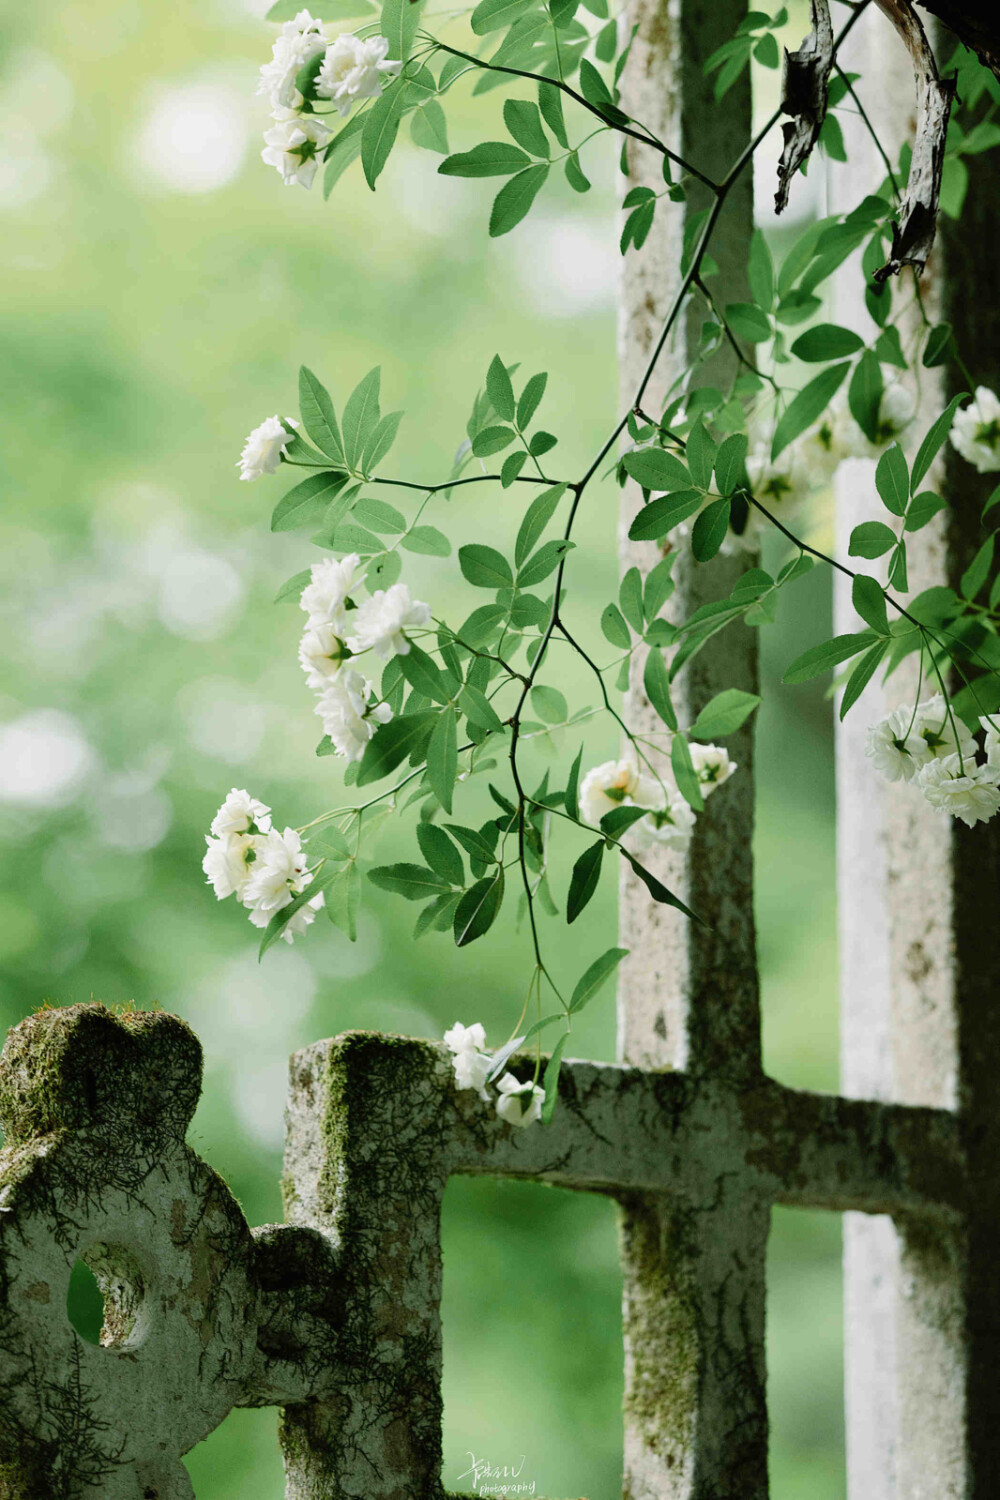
[[345, 71], [937, 752], [516, 1103], [975, 431], [620, 783], [262, 868], [338, 630]]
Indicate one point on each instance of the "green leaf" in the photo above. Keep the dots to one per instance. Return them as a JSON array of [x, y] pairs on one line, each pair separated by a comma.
[[492, 15], [361, 416], [709, 530], [343, 896], [499, 388], [318, 416], [826, 341], [892, 480], [484, 567], [523, 120], [871, 539], [414, 882], [536, 518], [392, 743], [478, 709], [381, 440], [381, 126], [575, 175], [658, 587], [583, 881], [620, 819], [978, 570], [592, 85], [304, 505], [549, 704], [940, 342], [280, 920], [864, 394], [862, 675], [656, 682], [539, 566], [700, 455], [492, 440], [921, 509], [530, 398], [378, 515], [515, 198], [550, 1080], [573, 786], [440, 853], [656, 469], [807, 406], [442, 758], [613, 627], [550, 104], [661, 516], [429, 127], [511, 467], [399, 23], [823, 658], [473, 842], [481, 624], [341, 152], [760, 271], [540, 443], [869, 601], [724, 713], [658, 890], [292, 587], [730, 462], [422, 673], [426, 540], [685, 774], [478, 909], [936, 434], [748, 322], [488, 159], [630, 599]]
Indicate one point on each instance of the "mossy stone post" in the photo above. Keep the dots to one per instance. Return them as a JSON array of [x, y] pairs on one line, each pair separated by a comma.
[[695, 1415], [919, 960]]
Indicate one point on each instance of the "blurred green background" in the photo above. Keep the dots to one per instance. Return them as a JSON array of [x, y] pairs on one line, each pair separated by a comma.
[[159, 289]]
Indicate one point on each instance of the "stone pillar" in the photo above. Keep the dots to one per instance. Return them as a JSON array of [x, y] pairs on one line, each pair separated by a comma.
[[918, 972], [695, 1417]]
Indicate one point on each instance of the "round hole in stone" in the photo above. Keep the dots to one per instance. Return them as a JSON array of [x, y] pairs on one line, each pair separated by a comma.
[[106, 1289]]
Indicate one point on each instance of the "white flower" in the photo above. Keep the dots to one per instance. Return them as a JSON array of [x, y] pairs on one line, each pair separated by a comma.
[[970, 792], [936, 729], [324, 599], [606, 786], [345, 714], [519, 1103], [896, 411], [975, 431], [380, 621], [227, 864], [291, 145], [712, 765], [353, 69], [278, 873], [465, 1038], [263, 449], [896, 752], [322, 653], [991, 724], [668, 823], [300, 41], [296, 923], [241, 813]]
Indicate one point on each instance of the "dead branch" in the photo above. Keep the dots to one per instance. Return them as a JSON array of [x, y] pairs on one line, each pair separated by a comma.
[[806, 74]]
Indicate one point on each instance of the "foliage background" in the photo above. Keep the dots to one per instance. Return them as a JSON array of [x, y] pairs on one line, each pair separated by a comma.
[[159, 289]]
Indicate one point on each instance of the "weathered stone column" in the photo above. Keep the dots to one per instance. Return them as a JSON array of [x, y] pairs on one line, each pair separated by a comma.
[[695, 1418], [919, 972]]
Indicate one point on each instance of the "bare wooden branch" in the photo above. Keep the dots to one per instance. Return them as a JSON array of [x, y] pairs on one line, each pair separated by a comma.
[[913, 233], [977, 25], [807, 72]]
